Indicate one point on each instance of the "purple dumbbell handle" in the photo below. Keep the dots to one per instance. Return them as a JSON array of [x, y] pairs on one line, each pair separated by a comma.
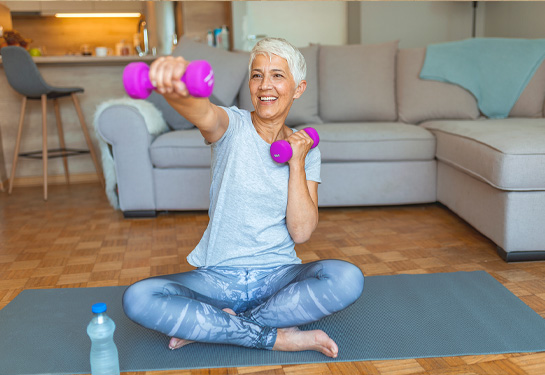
[[281, 150], [198, 78]]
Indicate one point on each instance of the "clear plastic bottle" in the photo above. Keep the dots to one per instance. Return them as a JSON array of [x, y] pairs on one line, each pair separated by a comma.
[[210, 38], [104, 356], [225, 37], [174, 42]]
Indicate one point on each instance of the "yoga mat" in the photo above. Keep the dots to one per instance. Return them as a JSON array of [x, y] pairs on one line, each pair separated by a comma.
[[400, 316]]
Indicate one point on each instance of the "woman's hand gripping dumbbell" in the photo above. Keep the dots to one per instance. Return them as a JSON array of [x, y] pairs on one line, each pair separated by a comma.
[[281, 151], [198, 79]]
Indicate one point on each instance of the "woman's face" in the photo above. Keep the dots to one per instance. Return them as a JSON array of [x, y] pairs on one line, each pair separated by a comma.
[[272, 87]]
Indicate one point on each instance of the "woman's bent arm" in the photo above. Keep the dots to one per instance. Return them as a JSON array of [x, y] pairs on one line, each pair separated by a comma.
[[302, 211]]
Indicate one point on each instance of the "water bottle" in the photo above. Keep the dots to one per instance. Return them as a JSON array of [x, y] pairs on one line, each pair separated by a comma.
[[104, 357], [210, 38], [225, 37], [217, 38], [174, 42]]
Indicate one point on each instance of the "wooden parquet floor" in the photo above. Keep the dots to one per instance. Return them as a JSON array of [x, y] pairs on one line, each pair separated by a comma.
[[76, 240]]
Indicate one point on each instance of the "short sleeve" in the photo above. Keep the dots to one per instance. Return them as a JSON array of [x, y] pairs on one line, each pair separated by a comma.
[[235, 119], [313, 164]]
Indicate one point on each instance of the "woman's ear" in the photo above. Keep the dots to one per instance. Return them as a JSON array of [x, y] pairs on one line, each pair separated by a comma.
[[300, 89]]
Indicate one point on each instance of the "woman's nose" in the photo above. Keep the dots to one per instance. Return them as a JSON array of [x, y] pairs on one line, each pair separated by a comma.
[[265, 83]]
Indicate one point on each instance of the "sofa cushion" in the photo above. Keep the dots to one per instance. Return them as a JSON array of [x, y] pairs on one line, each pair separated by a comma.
[[305, 109], [422, 100], [357, 82], [374, 142], [229, 68], [508, 154], [180, 149], [174, 120]]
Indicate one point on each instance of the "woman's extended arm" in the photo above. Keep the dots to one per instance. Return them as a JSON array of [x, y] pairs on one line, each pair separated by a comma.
[[165, 74], [302, 210]]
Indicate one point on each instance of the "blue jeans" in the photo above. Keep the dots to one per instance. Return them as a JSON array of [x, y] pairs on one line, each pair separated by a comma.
[[189, 305]]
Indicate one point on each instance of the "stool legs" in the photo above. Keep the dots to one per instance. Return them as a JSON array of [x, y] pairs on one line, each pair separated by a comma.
[[88, 139], [61, 139], [17, 145], [44, 142]]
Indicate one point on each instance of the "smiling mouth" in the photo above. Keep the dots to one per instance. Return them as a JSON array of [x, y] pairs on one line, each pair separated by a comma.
[[268, 99]]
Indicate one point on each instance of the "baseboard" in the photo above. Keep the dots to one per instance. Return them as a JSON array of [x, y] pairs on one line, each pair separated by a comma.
[[54, 180], [520, 256]]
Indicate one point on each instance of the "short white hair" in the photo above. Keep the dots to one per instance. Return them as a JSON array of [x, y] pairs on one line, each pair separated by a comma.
[[282, 48]]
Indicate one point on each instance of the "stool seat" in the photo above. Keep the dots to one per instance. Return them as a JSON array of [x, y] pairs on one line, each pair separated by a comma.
[[25, 78], [59, 92]]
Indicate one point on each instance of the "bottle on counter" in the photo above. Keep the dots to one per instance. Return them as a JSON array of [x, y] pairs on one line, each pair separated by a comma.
[[217, 37], [104, 356], [174, 42], [210, 38], [225, 37]]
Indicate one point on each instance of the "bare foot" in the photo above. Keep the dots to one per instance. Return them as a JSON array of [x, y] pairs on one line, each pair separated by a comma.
[[176, 343], [294, 340]]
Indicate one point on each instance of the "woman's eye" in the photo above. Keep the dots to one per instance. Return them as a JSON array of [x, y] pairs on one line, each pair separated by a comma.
[[256, 75]]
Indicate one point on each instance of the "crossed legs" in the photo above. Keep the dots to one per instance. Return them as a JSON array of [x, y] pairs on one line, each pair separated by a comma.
[[251, 307]]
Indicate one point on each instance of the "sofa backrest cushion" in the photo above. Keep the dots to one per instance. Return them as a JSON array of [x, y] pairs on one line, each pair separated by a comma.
[[357, 82], [530, 102], [229, 68], [174, 120], [420, 100], [304, 110]]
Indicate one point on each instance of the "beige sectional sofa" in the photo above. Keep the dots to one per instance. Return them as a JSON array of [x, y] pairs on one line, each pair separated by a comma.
[[387, 138]]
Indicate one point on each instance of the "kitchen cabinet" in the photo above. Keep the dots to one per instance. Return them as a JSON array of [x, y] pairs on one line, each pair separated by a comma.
[[195, 18], [119, 6], [49, 8], [23, 6]]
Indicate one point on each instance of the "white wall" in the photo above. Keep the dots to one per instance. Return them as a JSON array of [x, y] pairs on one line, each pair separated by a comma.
[[413, 23], [300, 22], [418, 23], [519, 19]]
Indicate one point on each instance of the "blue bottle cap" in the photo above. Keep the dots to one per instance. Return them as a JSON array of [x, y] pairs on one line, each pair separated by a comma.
[[99, 308]]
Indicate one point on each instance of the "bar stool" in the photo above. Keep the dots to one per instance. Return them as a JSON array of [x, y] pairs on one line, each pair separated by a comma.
[[25, 78]]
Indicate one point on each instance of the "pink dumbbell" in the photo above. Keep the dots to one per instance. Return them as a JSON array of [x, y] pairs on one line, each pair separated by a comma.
[[281, 150], [198, 78]]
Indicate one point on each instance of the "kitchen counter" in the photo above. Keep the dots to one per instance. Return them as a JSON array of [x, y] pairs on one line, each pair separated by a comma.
[[100, 77], [90, 60]]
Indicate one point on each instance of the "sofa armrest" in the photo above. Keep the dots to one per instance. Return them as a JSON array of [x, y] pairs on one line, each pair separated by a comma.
[[125, 129]]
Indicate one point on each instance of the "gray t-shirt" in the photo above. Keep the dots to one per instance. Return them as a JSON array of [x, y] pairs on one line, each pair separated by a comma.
[[248, 201]]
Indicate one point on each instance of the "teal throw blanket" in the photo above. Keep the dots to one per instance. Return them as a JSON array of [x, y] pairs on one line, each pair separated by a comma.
[[494, 70]]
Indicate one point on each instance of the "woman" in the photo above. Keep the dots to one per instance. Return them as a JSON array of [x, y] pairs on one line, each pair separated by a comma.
[[249, 287]]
